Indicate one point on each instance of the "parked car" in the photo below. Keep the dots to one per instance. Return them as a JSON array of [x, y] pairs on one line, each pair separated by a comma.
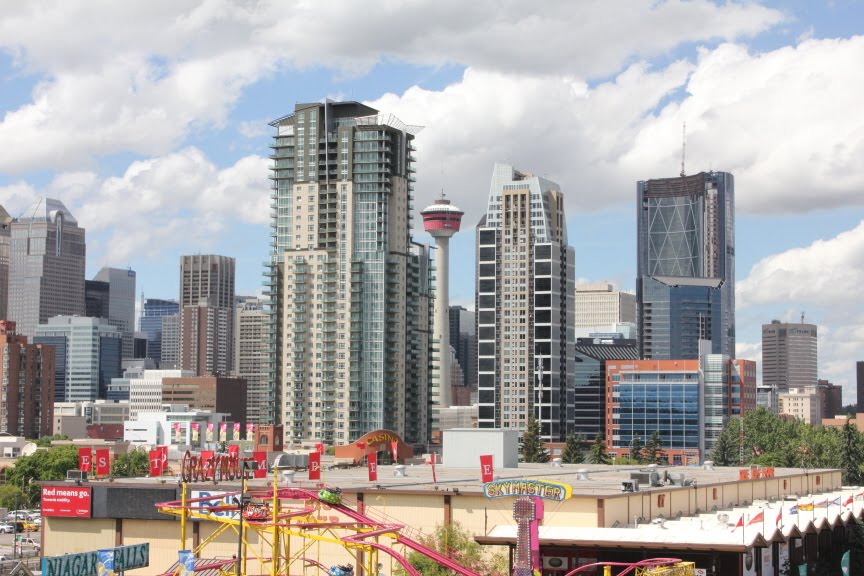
[[30, 526], [7, 528], [24, 541]]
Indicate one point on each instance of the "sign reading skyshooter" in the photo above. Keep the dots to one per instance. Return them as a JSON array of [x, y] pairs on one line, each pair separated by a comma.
[[85, 564], [540, 488]]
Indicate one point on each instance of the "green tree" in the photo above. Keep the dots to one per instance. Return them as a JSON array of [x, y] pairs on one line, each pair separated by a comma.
[[532, 445], [653, 451], [725, 452], [454, 541], [851, 454], [12, 497], [572, 453], [598, 454], [131, 465], [45, 441], [856, 547], [47, 464], [636, 447]]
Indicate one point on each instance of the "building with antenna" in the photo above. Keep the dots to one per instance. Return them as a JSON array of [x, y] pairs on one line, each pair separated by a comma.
[[789, 355], [441, 220], [685, 288]]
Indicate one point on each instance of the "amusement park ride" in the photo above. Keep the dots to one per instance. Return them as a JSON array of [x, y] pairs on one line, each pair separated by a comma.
[[280, 526]]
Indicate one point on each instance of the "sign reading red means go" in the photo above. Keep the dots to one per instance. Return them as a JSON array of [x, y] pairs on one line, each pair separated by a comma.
[[66, 501]]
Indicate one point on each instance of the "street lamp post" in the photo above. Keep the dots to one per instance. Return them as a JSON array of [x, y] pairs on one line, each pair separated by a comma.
[[241, 506]]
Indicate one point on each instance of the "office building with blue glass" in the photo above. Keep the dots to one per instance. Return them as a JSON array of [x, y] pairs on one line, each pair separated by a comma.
[[151, 324], [685, 288], [88, 356]]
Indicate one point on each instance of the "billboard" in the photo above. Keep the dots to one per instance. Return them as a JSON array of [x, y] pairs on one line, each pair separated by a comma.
[[68, 501]]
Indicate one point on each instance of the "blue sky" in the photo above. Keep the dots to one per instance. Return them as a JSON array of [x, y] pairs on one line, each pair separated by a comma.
[[150, 123]]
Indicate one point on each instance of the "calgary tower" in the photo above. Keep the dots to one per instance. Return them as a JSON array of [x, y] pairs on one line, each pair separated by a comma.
[[442, 220]]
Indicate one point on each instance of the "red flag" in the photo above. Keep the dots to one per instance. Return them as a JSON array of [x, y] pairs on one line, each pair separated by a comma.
[[372, 460], [779, 520], [260, 457], [740, 523], [757, 518], [103, 462], [314, 466], [319, 447], [234, 449], [431, 461], [84, 459], [164, 450], [848, 501], [207, 458], [361, 445], [486, 472], [155, 462], [394, 447]]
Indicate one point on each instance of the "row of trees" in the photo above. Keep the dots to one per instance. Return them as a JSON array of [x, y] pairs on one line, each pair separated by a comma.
[[52, 464], [763, 438], [640, 453]]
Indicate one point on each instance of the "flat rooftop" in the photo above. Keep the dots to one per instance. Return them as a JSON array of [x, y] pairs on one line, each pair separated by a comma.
[[587, 480]]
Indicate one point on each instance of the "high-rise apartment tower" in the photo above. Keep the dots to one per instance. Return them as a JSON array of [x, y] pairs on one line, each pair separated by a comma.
[[207, 314], [350, 291], [525, 288]]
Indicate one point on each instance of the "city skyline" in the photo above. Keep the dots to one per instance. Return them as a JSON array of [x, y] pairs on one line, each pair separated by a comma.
[[190, 117]]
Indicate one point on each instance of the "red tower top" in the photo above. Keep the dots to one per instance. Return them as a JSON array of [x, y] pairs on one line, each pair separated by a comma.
[[442, 218]]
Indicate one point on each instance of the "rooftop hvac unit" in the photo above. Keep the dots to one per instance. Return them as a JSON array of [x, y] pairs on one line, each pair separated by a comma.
[[629, 485]]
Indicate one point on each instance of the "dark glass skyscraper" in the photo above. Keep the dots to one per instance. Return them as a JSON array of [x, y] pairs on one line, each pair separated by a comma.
[[151, 323], [685, 287]]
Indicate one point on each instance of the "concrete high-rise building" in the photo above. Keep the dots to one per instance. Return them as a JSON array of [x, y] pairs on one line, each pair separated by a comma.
[[153, 309], [207, 314], [251, 359], [349, 348], [830, 398], [859, 385], [525, 288], [214, 393], [441, 220], [463, 340], [145, 390], [5, 241], [28, 405], [729, 390], [170, 349], [789, 355], [120, 310], [600, 304], [685, 288], [87, 356], [46, 266], [801, 403]]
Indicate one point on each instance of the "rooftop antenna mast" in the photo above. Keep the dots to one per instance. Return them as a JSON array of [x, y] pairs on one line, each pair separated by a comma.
[[683, 147], [802, 317]]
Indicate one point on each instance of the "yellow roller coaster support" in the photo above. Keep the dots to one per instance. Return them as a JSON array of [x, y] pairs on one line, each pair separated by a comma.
[[680, 569]]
